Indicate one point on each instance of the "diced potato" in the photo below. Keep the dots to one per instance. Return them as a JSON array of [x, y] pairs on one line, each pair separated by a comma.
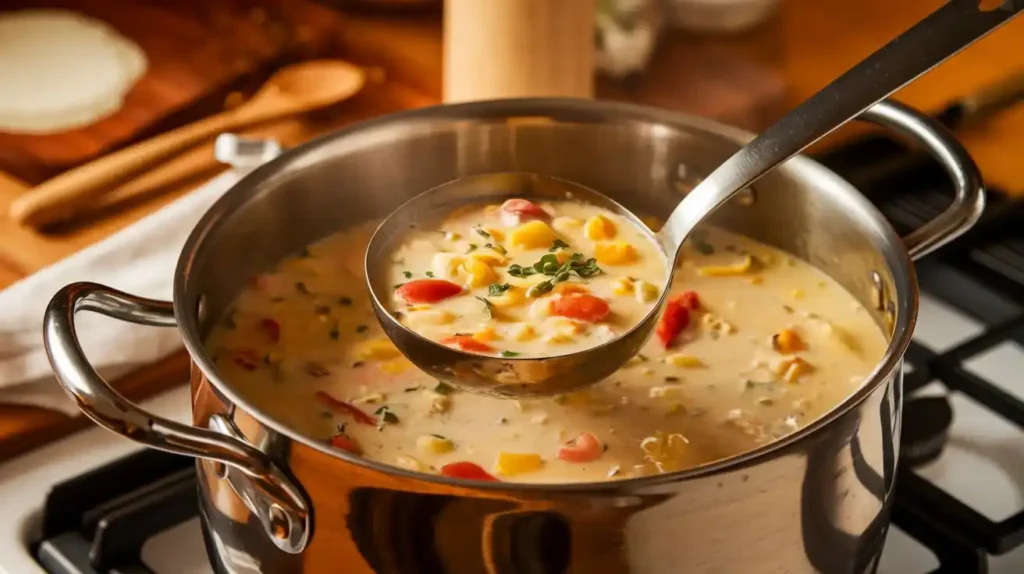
[[433, 444], [514, 296], [566, 224], [479, 274], [745, 266], [488, 257], [410, 463], [787, 341], [540, 308], [615, 253], [446, 265], [377, 350], [645, 291], [599, 227], [623, 286], [797, 294], [486, 335], [684, 361], [513, 463], [532, 235]]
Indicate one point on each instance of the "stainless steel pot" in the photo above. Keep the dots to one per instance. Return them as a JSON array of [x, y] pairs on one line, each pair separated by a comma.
[[275, 501]]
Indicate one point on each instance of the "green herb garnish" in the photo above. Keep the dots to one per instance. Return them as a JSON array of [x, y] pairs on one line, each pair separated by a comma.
[[472, 248], [496, 289], [509, 354], [412, 389], [301, 288], [335, 332], [558, 244], [487, 308], [362, 329], [497, 248], [386, 417], [345, 301], [357, 364], [482, 233], [443, 388], [429, 273], [408, 274], [701, 244]]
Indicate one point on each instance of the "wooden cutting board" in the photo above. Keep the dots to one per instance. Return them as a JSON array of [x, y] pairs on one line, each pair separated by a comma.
[[198, 53]]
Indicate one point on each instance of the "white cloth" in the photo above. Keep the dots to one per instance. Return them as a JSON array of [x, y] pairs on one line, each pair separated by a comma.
[[140, 260]]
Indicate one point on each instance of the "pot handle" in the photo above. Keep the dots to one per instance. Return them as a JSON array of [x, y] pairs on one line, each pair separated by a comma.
[[278, 503], [969, 199]]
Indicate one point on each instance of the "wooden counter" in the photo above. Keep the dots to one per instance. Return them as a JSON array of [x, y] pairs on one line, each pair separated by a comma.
[[811, 42]]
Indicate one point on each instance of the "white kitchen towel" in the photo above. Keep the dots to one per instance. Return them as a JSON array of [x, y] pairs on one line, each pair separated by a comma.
[[140, 260]]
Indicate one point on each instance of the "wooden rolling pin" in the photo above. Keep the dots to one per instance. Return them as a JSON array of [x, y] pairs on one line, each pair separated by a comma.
[[518, 48]]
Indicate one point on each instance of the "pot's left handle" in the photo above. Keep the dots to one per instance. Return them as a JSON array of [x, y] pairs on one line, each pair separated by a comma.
[[281, 508]]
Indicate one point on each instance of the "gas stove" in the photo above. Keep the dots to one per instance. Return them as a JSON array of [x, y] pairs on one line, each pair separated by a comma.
[[94, 503]]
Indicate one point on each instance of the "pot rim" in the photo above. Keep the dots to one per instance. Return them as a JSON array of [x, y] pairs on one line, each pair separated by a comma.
[[896, 256]]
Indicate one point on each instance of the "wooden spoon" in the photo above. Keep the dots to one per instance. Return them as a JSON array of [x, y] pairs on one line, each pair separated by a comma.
[[291, 90]]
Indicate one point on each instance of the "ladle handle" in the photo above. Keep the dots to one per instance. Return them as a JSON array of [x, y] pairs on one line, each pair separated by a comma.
[[943, 33]]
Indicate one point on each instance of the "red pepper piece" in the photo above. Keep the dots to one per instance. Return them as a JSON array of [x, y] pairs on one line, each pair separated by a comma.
[[428, 290], [345, 443], [272, 329], [516, 211], [581, 307], [468, 470], [246, 359], [688, 299], [584, 448], [467, 343], [345, 408]]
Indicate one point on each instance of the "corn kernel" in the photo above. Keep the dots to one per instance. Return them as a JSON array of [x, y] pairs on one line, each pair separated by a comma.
[[446, 265], [434, 444], [396, 366], [532, 235], [488, 257], [486, 335], [513, 463], [599, 227], [452, 236], [377, 350], [792, 368], [756, 280], [479, 274], [787, 341], [797, 294], [623, 286], [646, 292], [684, 361], [410, 463], [512, 297], [565, 326], [742, 268], [522, 332], [566, 224], [615, 253]]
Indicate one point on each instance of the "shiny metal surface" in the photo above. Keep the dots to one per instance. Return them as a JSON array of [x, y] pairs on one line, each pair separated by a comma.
[[815, 501], [942, 34]]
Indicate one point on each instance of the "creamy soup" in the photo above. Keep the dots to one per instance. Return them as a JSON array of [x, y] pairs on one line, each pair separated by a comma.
[[753, 345], [529, 280]]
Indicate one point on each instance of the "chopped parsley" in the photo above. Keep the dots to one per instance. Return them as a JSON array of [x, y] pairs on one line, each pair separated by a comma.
[[408, 274], [335, 332], [443, 388], [301, 288], [509, 354], [497, 248], [386, 417], [412, 389], [357, 364], [429, 273], [345, 301], [362, 329], [472, 248], [700, 243], [442, 437], [558, 244], [326, 415], [482, 233], [322, 310], [496, 289], [549, 265], [487, 308]]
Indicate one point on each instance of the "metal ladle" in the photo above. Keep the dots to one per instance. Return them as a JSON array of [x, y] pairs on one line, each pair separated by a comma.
[[928, 43]]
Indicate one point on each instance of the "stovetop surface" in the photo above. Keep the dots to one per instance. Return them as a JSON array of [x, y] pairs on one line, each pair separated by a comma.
[[959, 505]]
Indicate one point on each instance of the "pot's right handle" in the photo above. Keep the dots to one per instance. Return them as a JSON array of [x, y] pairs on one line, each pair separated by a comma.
[[969, 199], [281, 507]]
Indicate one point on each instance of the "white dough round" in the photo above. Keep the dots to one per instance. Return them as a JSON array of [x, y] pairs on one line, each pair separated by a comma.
[[61, 70]]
